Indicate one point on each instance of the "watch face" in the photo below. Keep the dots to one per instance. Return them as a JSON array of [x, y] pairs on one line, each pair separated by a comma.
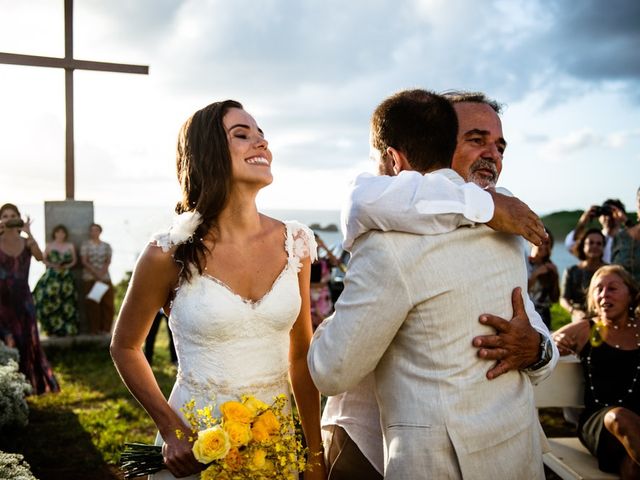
[[547, 351]]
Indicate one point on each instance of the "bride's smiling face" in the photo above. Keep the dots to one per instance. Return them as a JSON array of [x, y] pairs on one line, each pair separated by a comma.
[[250, 154]]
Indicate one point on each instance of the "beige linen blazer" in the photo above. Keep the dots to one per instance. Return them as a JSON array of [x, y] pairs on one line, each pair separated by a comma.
[[408, 313]]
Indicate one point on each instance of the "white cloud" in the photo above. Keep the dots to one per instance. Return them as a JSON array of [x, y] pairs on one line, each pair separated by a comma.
[[580, 140]]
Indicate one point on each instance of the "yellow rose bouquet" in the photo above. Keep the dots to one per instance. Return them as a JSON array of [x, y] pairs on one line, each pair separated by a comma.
[[250, 439]]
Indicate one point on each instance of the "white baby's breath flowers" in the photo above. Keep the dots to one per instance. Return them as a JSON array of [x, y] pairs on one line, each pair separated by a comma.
[[182, 229]]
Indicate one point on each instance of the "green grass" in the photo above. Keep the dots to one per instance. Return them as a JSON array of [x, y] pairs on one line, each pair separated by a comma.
[[559, 317], [79, 433]]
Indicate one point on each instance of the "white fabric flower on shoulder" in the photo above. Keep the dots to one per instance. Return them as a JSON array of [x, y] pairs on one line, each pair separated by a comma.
[[181, 230]]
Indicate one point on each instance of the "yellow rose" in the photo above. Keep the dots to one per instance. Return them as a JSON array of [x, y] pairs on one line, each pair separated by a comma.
[[233, 460], [265, 426], [259, 459], [254, 405], [211, 444], [269, 420], [239, 433], [235, 412], [260, 433]]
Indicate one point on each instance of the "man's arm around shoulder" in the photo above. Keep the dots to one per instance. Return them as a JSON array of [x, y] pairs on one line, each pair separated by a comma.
[[433, 203]]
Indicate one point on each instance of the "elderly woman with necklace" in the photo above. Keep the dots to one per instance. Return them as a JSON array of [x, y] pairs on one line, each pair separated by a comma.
[[608, 345]]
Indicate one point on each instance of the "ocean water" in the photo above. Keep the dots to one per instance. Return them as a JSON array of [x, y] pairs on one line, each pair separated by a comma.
[[128, 230]]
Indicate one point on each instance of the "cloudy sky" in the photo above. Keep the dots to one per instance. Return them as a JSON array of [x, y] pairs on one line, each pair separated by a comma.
[[311, 72]]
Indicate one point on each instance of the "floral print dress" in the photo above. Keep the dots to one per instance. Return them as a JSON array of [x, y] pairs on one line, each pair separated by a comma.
[[55, 297]]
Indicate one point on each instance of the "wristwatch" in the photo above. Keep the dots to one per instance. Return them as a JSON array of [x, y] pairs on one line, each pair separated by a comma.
[[545, 352]]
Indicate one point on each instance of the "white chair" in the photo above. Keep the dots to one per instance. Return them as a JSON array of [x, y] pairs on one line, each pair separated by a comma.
[[568, 458]]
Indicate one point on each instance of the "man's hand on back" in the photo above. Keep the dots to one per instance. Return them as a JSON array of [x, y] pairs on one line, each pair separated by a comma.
[[514, 216], [516, 344]]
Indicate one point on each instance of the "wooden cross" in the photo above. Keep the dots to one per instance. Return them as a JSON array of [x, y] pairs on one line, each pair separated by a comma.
[[69, 64]]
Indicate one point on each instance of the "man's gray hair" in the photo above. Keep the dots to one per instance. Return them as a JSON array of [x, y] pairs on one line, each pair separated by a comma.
[[458, 96]]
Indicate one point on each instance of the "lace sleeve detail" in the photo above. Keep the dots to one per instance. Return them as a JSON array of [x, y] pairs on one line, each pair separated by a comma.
[[303, 241]]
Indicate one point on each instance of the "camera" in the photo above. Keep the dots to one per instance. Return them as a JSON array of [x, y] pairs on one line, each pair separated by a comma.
[[14, 222], [603, 210]]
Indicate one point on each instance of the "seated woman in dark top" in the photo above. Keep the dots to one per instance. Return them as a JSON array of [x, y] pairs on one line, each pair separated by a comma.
[[575, 281], [608, 345]]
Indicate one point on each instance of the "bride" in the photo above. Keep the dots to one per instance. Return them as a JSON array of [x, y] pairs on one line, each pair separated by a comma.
[[236, 283]]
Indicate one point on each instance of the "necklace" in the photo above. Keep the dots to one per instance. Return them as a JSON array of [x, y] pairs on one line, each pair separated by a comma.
[[597, 338], [624, 394]]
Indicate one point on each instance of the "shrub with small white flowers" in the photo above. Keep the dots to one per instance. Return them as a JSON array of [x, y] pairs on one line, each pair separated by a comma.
[[13, 411], [13, 389], [13, 466]]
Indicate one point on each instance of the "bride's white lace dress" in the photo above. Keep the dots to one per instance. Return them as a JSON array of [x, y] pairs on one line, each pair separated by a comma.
[[227, 345]]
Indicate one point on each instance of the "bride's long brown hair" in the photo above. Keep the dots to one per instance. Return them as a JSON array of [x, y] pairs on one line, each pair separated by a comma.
[[203, 165]]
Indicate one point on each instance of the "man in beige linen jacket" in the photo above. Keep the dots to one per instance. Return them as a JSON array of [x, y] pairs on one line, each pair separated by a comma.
[[408, 315]]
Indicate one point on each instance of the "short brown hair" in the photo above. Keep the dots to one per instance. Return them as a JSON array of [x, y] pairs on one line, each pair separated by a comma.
[[9, 206], [421, 124], [60, 227]]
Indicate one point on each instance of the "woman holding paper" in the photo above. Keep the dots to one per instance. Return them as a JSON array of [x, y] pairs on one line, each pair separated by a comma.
[[96, 258]]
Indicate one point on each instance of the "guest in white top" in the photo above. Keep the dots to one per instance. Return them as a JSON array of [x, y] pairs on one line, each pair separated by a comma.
[[95, 256]]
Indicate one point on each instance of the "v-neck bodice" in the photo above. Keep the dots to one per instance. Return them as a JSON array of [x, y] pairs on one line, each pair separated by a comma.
[[249, 301], [228, 345]]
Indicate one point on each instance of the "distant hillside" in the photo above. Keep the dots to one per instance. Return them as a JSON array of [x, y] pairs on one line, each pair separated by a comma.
[[561, 223]]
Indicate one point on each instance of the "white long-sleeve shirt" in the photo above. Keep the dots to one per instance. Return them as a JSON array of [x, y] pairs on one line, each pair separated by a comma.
[[411, 202]]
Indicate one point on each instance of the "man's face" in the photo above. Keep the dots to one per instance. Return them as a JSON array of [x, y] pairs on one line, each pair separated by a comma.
[[478, 155]]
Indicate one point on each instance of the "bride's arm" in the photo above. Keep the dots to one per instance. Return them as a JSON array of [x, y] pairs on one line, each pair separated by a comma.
[[304, 390], [154, 276]]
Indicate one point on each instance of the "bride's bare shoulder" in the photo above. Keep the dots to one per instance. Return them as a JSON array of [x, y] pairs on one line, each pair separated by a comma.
[[157, 260]]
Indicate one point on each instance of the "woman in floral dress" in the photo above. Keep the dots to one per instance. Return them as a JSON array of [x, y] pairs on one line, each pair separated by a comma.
[[55, 292]]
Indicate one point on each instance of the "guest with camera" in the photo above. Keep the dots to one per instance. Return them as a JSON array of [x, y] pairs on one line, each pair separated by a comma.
[[17, 312], [626, 246], [608, 344], [612, 217]]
